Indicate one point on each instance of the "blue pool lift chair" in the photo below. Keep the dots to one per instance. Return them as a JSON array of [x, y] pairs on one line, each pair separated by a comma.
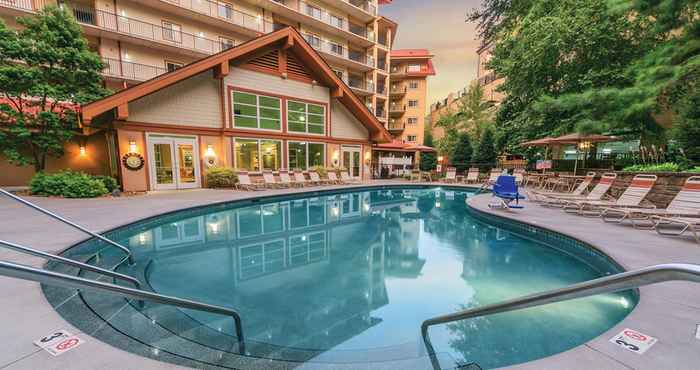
[[506, 190]]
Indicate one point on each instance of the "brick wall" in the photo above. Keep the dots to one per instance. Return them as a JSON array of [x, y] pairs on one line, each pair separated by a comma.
[[664, 190]]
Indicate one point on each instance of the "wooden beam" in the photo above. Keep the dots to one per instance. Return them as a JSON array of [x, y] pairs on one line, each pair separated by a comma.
[[289, 43], [221, 70], [282, 61], [337, 92], [123, 111]]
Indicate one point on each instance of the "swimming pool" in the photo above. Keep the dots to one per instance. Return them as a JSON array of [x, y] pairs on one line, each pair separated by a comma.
[[347, 277]]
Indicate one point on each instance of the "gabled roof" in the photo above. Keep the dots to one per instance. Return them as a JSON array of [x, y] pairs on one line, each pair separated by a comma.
[[287, 38]]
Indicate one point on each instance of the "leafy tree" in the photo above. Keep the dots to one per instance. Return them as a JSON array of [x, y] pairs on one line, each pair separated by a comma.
[[485, 152], [461, 157], [428, 160], [687, 122], [46, 69]]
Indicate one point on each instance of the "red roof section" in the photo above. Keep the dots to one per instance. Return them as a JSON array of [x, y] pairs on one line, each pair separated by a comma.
[[400, 145], [411, 53], [384, 2]]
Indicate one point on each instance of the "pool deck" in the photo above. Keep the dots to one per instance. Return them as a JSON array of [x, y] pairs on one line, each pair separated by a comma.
[[668, 311]]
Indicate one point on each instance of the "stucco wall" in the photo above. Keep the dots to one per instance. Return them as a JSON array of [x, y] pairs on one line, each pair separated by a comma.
[[345, 125], [133, 180], [192, 102]]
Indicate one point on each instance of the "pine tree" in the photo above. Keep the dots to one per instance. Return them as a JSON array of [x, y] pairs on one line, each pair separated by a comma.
[[428, 160], [485, 152], [461, 156]]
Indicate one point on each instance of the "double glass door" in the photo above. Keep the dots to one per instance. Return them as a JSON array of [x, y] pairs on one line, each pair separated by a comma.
[[352, 160], [174, 163]]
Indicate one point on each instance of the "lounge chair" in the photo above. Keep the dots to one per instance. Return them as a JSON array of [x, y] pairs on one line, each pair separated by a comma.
[[598, 192], [347, 179], [270, 181], [299, 178], [285, 180], [540, 196], [686, 224], [333, 178], [472, 176], [493, 176], [416, 175], [451, 175], [245, 183], [685, 204], [315, 178], [519, 174], [632, 197], [506, 190]]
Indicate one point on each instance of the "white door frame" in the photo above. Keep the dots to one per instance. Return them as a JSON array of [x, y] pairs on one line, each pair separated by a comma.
[[173, 141], [352, 149]]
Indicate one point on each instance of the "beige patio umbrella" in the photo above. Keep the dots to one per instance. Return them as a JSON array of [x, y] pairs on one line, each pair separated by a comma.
[[581, 141]]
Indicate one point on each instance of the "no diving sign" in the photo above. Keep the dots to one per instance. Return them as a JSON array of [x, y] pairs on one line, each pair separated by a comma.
[[58, 342], [634, 341]]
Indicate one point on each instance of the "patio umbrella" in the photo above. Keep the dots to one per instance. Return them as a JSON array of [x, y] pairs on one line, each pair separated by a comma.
[[582, 141]]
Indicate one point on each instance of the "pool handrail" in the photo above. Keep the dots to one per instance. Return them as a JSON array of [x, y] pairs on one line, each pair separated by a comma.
[[129, 255], [608, 284], [42, 276], [48, 256]]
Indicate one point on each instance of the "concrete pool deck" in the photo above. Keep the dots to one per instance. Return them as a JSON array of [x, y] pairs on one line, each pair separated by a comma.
[[669, 311]]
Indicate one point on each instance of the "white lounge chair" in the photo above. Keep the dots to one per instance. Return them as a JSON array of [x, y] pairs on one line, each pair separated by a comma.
[[315, 178], [472, 176], [333, 178], [347, 179], [450, 175], [633, 196], [685, 204], [286, 180], [598, 192], [270, 181], [541, 195], [685, 223], [245, 183], [299, 178]]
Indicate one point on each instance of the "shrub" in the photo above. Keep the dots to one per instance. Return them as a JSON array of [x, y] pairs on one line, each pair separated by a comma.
[[661, 167], [221, 177], [109, 181], [67, 184], [695, 169]]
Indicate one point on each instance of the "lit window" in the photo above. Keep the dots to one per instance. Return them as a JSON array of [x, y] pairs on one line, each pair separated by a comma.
[[256, 111], [305, 117], [414, 67], [413, 103], [257, 155], [305, 155]]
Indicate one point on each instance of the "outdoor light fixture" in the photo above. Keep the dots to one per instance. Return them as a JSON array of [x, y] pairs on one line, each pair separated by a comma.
[[210, 151], [132, 146], [82, 150], [440, 158]]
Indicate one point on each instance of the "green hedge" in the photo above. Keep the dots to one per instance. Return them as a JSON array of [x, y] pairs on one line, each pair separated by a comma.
[[661, 167], [221, 177], [70, 184]]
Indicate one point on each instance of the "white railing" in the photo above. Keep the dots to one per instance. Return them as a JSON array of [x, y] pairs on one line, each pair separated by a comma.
[[17, 4], [226, 12]]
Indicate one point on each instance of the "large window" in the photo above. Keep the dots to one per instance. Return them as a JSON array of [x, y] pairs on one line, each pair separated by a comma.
[[305, 155], [258, 155], [305, 117], [256, 111]]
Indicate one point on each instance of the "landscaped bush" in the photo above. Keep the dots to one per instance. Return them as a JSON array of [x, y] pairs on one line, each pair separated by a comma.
[[221, 177], [110, 182], [661, 167], [67, 184], [695, 169]]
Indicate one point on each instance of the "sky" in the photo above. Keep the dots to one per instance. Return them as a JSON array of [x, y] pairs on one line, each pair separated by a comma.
[[439, 26]]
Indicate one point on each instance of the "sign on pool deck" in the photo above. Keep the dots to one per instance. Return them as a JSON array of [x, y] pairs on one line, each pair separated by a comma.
[[634, 341], [697, 332], [58, 342]]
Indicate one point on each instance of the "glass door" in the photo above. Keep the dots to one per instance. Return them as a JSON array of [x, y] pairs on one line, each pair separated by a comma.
[[173, 163], [352, 160]]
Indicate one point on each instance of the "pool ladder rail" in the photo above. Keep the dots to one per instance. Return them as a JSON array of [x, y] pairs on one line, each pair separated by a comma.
[[24, 272], [608, 284]]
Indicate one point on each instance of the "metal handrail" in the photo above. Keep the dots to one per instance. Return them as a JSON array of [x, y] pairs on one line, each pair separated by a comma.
[[608, 284], [129, 255], [24, 272], [68, 261]]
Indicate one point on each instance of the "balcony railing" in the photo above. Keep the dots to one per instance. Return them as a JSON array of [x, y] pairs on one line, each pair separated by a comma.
[[398, 90], [226, 12], [364, 5], [397, 108], [361, 58], [17, 4], [367, 86], [396, 126], [330, 19], [335, 49], [129, 70], [133, 27]]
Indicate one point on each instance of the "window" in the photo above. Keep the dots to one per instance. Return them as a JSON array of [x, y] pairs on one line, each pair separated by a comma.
[[414, 68], [171, 66], [257, 155], [172, 31], [413, 103], [337, 48], [226, 43], [256, 111], [412, 120], [305, 155], [313, 40], [313, 11], [413, 85], [225, 10], [305, 117], [411, 138], [336, 21]]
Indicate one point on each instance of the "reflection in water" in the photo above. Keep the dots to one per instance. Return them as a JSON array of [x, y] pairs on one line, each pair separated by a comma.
[[359, 271]]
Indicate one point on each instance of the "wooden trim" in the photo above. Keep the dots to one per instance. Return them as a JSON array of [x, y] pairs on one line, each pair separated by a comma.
[[123, 111], [282, 62], [221, 70], [146, 160]]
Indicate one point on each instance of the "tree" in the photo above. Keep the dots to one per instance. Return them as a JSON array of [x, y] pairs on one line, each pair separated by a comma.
[[46, 70], [461, 157], [687, 122], [485, 152], [428, 160]]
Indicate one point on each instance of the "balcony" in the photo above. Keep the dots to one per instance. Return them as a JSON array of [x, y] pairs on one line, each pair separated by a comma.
[[146, 33], [396, 127], [361, 58], [381, 90], [487, 79], [398, 90], [124, 70], [246, 23], [380, 113], [364, 5], [361, 87], [25, 5], [397, 110], [339, 53]]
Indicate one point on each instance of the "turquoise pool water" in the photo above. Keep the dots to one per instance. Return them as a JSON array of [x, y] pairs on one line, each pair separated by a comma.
[[349, 277]]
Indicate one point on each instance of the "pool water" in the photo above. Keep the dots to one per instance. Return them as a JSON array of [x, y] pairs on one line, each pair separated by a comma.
[[349, 277]]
